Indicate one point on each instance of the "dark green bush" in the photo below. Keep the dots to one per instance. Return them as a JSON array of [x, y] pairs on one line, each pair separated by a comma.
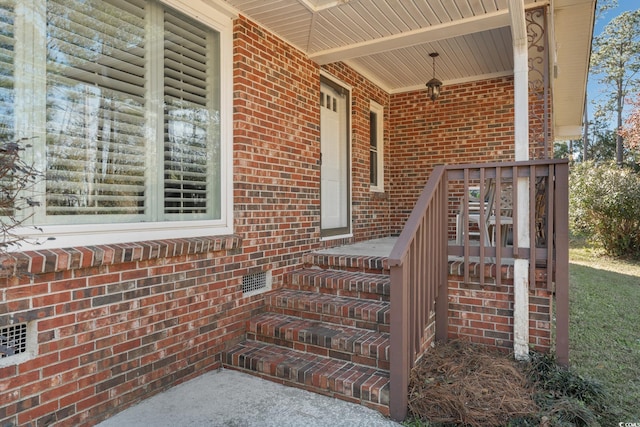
[[604, 204], [564, 397]]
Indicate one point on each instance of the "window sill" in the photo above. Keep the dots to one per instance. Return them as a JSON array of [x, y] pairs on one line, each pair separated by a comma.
[[55, 260]]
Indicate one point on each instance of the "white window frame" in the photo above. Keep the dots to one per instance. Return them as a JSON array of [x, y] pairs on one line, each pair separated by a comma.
[[378, 109], [220, 18]]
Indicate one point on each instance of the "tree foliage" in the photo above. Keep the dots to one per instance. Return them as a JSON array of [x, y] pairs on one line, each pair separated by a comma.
[[631, 129], [604, 201], [615, 61]]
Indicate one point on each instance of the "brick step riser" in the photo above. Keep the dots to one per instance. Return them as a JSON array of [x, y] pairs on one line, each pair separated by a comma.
[[367, 314], [339, 379], [335, 319], [358, 287], [373, 362], [372, 265], [365, 348]]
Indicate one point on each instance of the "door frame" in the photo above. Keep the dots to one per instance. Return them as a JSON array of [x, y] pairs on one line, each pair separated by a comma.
[[340, 86]]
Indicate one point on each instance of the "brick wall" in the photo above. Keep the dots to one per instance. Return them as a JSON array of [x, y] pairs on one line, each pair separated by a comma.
[[118, 323], [276, 149], [469, 123], [483, 314]]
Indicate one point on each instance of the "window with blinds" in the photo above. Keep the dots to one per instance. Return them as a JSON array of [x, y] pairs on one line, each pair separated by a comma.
[[188, 118], [7, 43], [131, 111]]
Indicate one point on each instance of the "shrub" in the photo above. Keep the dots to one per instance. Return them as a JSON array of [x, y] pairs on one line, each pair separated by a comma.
[[564, 397], [604, 201]]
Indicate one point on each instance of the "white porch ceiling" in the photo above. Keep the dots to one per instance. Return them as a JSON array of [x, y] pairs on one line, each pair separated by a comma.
[[389, 41]]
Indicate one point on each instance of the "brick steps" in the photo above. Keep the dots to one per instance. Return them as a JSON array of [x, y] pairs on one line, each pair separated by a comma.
[[357, 345], [332, 377], [354, 312], [342, 283], [326, 330], [353, 263]]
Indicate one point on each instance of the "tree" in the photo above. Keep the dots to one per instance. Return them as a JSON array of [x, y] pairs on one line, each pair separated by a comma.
[[631, 130], [615, 59]]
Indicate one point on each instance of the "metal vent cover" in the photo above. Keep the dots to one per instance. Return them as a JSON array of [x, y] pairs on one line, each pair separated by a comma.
[[256, 283], [13, 340]]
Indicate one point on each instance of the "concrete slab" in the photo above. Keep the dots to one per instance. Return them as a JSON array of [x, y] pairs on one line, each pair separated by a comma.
[[233, 399]]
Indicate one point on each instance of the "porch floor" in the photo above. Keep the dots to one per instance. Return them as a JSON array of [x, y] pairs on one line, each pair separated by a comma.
[[382, 248], [375, 247]]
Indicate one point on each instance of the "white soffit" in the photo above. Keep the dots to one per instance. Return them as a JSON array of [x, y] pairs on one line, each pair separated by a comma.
[[573, 21], [389, 41]]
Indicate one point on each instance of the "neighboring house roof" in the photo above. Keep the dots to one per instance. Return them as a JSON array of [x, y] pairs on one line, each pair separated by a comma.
[[389, 41]]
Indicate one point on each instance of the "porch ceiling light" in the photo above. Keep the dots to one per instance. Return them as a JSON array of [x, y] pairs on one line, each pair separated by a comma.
[[434, 84]]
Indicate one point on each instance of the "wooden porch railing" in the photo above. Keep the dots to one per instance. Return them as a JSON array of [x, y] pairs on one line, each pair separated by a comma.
[[419, 260]]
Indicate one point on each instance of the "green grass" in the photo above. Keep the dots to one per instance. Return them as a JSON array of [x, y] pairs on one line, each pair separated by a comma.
[[604, 332]]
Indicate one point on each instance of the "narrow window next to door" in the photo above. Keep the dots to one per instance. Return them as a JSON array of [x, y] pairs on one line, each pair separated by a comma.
[[376, 147]]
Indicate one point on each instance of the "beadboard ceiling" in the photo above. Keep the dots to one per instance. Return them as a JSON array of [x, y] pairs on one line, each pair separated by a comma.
[[389, 41]]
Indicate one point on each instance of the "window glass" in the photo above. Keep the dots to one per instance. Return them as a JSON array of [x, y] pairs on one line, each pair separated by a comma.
[[373, 148], [131, 110], [376, 147]]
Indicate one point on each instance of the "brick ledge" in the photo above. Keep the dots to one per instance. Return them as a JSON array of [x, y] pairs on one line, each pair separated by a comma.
[[55, 260], [456, 268]]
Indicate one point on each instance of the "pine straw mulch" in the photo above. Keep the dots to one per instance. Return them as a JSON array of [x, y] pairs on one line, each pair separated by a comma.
[[464, 384]]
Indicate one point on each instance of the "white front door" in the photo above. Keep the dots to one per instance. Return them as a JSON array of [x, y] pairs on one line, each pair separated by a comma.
[[334, 170]]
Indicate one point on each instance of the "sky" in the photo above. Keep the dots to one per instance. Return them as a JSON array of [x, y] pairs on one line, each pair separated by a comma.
[[594, 90]]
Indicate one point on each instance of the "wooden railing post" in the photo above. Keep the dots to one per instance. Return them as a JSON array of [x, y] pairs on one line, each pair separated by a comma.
[[399, 341], [442, 293], [562, 263]]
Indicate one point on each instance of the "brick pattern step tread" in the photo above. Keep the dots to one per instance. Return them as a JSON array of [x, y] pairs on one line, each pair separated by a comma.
[[343, 283], [361, 346], [324, 375], [365, 264], [354, 312]]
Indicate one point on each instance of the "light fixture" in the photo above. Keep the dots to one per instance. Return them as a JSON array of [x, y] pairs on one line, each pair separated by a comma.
[[434, 84]]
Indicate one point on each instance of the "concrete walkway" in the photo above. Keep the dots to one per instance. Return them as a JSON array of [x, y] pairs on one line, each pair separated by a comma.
[[233, 399]]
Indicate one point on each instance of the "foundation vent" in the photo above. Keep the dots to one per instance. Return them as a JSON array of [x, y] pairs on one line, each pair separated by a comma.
[[13, 340], [256, 283]]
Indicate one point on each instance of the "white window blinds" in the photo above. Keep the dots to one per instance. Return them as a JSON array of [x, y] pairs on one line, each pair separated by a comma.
[[189, 122], [96, 103], [7, 43], [128, 141]]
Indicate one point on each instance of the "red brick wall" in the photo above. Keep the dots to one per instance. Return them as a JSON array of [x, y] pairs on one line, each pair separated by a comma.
[[469, 123], [118, 323], [276, 149], [483, 314]]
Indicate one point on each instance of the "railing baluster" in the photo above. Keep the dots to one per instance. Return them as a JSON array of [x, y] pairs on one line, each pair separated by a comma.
[[532, 227], [497, 241], [514, 213], [549, 226], [482, 223], [465, 227]]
